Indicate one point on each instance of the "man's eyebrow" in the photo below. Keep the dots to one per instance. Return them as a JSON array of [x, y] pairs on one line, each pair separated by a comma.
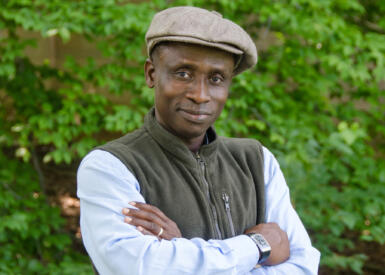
[[182, 64], [223, 71], [215, 70]]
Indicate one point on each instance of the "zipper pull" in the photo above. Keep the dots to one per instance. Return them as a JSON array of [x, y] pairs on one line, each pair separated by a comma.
[[200, 160], [225, 198], [197, 156]]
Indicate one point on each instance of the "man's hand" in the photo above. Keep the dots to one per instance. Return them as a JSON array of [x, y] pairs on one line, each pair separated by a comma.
[[150, 220], [277, 238]]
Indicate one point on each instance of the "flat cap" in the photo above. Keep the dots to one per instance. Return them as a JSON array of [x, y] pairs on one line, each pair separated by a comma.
[[202, 27]]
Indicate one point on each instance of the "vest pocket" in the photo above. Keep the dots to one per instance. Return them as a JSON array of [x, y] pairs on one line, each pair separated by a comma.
[[226, 200]]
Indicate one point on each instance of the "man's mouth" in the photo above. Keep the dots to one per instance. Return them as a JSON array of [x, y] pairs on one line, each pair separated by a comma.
[[194, 115]]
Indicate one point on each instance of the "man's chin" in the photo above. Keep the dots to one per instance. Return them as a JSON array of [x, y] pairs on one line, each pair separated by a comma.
[[190, 133]]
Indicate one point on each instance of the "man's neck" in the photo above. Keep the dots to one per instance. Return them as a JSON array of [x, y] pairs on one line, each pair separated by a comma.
[[195, 144]]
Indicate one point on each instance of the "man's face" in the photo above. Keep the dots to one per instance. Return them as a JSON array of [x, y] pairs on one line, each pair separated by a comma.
[[191, 86]]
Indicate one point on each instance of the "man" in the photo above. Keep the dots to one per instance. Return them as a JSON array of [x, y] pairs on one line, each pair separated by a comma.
[[173, 197]]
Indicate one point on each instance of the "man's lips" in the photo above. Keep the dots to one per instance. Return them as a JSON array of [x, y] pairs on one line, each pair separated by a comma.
[[194, 112], [194, 115]]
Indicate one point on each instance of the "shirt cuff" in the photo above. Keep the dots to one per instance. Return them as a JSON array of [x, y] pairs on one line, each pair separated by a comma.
[[245, 250]]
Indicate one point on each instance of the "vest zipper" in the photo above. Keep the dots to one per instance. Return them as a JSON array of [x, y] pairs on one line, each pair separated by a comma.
[[226, 200], [202, 165]]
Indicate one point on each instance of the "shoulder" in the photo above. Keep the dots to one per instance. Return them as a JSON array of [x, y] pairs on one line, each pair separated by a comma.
[[100, 167], [242, 146], [131, 145], [271, 165], [128, 140], [252, 147], [100, 160], [240, 143]]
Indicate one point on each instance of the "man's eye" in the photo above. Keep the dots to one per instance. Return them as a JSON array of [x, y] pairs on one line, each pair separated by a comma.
[[216, 79], [182, 74]]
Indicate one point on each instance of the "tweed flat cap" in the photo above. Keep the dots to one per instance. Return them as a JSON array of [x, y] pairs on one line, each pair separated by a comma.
[[203, 27]]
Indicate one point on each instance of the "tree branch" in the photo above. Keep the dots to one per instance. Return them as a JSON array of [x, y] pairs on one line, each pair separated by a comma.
[[37, 166]]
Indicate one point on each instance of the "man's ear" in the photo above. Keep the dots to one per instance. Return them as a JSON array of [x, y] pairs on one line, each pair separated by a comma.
[[149, 72]]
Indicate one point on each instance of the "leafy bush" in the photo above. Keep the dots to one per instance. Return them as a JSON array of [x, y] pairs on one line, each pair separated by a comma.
[[31, 238], [315, 99]]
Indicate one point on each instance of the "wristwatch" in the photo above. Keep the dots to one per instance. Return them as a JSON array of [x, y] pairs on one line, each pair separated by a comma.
[[263, 246]]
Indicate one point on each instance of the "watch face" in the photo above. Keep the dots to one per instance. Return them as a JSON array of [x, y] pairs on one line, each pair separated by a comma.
[[261, 240]]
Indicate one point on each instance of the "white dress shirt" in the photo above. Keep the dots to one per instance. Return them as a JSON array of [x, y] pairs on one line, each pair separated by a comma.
[[106, 186]]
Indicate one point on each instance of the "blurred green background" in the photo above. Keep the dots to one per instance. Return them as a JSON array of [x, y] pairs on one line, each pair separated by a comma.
[[71, 77]]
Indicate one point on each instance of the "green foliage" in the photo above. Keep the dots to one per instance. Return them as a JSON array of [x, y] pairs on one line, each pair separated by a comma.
[[316, 99], [30, 229]]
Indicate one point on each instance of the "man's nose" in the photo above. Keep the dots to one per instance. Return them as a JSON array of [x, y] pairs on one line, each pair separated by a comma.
[[199, 91]]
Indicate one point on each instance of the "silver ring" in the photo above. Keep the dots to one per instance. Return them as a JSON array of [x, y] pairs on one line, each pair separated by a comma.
[[160, 232]]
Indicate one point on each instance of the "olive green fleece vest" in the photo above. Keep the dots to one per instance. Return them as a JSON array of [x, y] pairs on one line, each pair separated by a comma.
[[214, 194]]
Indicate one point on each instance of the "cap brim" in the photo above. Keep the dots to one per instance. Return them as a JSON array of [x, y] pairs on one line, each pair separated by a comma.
[[186, 39]]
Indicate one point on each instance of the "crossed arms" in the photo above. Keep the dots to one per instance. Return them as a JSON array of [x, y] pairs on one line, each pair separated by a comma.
[[150, 220], [105, 187]]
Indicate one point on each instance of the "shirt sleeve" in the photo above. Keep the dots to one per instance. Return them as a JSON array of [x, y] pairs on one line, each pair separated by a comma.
[[105, 186], [304, 259]]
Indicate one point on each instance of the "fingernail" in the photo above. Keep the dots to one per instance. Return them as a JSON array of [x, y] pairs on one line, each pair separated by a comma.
[[127, 219], [132, 203], [126, 211]]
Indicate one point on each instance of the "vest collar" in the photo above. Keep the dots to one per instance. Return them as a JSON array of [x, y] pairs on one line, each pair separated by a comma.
[[175, 145]]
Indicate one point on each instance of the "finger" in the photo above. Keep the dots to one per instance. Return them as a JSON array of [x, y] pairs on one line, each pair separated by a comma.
[[144, 215], [144, 231], [150, 208], [147, 225]]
